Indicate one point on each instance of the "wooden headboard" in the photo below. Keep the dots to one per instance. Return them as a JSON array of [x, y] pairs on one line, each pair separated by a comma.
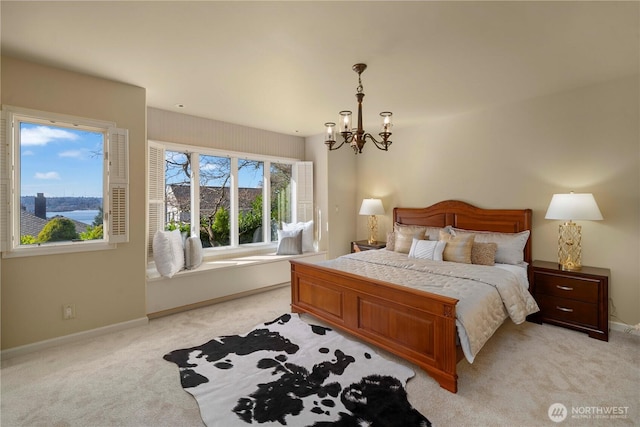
[[463, 215]]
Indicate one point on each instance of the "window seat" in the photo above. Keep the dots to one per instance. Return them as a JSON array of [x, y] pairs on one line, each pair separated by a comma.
[[219, 279]]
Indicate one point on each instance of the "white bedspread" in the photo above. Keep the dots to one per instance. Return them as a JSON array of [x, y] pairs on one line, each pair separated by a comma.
[[486, 295]]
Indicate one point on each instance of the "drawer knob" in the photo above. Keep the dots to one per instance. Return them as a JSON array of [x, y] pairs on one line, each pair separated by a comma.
[[568, 310], [564, 288]]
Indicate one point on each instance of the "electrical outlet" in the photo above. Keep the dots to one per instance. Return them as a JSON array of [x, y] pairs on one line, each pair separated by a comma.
[[68, 311]]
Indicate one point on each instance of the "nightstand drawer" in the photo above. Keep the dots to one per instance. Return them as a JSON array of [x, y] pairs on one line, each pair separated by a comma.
[[568, 310], [581, 289]]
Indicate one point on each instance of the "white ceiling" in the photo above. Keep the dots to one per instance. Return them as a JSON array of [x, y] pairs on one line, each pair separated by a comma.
[[286, 66]]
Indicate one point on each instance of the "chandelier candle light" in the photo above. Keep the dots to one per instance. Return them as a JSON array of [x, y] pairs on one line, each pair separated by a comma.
[[580, 206], [372, 207], [357, 137]]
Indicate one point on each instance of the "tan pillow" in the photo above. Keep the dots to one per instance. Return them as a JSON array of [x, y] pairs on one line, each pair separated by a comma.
[[433, 233], [458, 248], [483, 253], [404, 235], [391, 241]]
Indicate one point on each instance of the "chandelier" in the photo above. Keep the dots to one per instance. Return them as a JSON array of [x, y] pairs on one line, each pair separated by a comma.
[[357, 137]]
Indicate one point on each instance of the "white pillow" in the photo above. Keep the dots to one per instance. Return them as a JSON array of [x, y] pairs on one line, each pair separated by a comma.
[[289, 242], [168, 252], [307, 233], [192, 253], [427, 249]]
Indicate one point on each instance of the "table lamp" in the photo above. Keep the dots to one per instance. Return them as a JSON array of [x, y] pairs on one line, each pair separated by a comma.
[[569, 207], [372, 207]]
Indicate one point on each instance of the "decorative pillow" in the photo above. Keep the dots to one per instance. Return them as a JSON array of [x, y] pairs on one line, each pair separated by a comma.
[[192, 253], [433, 233], [404, 235], [483, 253], [510, 245], [289, 242], [168, 252], [458, 248], [307, 233], [391, 241], [427, 249]]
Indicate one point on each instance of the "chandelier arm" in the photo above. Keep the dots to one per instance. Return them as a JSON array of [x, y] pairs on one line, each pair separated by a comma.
[[332, 148], [380, 145]]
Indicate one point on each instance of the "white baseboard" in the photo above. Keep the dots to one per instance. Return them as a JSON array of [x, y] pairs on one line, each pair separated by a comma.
[[41, 345], [622, 327]]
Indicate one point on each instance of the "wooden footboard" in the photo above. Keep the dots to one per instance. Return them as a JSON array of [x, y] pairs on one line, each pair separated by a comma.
[[417, 326]]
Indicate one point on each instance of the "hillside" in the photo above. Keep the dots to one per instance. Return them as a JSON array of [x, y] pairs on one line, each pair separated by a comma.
[[64, 204]]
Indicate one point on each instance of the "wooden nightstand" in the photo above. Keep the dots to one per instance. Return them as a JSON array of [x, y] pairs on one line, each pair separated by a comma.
[[364, 245], [574, 299]]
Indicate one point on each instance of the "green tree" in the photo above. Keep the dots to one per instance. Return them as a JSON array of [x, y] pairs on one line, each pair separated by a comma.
[[57, 230], [250, 221], [97, 221], [28, 239], [92, 233], [218, 232]]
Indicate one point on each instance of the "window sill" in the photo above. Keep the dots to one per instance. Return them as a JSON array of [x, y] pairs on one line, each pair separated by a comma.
[[209, 264], [58, 248]]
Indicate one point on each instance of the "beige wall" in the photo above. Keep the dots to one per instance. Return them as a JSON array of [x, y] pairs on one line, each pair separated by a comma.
[[107, 287], [169, 126], [335, 190], [518, 156]]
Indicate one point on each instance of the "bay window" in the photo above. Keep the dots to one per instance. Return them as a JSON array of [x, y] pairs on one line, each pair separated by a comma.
[[232, 201]]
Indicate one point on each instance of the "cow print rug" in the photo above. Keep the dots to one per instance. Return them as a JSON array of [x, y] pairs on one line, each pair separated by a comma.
[[288, 372]]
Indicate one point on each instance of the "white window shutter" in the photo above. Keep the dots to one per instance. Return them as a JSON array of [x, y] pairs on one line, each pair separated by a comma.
[[118, 158], [303, 191], [156, 193], [5, 184], [118, 213]]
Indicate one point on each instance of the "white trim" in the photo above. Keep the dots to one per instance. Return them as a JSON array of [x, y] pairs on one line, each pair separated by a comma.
[[79, 336], [172, 146], [622, 327], [59, 248], [79, 122]]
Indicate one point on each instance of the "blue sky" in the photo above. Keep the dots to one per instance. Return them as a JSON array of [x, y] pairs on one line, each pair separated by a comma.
[[60, 161]]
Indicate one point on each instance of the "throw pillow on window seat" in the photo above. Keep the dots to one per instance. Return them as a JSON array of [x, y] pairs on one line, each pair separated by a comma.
[[168, 252], [192, 253], [289, 242], [307, 233]]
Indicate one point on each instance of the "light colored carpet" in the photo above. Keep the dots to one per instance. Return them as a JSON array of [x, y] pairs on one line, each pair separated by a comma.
[[121, 379]]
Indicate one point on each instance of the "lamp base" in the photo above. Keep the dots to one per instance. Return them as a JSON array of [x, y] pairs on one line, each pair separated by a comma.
[[373, 229], [570, 266], [569, 246]]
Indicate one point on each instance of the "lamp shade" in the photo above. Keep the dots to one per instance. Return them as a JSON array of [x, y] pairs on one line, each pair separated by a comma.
[[371, 207], [580, 206]]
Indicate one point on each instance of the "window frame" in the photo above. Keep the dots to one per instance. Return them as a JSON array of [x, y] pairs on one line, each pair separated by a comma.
[[235, 248], [114, 182]]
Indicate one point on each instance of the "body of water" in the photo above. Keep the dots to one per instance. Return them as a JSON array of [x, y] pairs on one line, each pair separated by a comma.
[[86, 216]]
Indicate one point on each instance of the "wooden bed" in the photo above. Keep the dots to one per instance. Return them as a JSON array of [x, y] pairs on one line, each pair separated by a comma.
[[415, 325]]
